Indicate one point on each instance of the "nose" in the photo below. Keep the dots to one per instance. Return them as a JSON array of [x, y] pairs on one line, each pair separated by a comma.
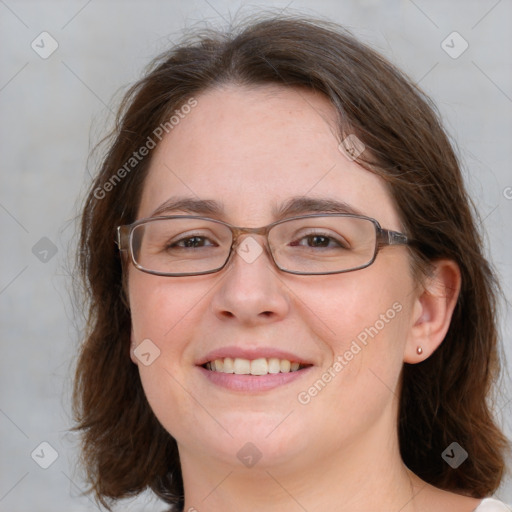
[[251, 291]]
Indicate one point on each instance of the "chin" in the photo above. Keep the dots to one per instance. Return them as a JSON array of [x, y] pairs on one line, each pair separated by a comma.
[[253, 439]]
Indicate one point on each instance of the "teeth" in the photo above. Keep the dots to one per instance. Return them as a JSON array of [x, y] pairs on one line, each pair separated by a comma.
[[261, 366], [274, 365], [228, 365], [242, 366]]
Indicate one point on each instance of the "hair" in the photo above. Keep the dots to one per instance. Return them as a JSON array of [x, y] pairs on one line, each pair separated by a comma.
[[443, 399]]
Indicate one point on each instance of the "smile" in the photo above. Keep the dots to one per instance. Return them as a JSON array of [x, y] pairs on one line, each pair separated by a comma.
[[260, 366], [253, 370]]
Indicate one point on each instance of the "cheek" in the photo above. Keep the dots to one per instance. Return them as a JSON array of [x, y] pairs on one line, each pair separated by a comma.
[[163, 307], [362, 306], [363, 318], [165, 311]]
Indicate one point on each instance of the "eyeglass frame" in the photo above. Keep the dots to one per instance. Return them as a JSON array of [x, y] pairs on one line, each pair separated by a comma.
[[383, 238]]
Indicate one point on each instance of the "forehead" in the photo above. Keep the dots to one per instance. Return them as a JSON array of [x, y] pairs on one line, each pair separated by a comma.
[[252, 149]]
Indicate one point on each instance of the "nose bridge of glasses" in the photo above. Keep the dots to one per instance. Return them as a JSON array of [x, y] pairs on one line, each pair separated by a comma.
[[239, 232], [250, 251]]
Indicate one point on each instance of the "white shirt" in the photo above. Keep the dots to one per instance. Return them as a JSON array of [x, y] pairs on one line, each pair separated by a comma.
[[492, 505]]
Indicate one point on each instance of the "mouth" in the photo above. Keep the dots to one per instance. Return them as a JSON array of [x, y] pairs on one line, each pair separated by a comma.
[[252, 370], [257, 367]]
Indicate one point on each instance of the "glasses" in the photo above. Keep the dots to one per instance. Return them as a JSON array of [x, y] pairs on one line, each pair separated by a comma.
[[316, 244]]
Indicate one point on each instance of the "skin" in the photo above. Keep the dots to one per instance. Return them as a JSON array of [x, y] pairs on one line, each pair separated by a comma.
[[340, 450]]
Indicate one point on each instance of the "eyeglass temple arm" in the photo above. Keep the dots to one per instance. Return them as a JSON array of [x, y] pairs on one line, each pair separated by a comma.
[[122, 236], [388, 237]]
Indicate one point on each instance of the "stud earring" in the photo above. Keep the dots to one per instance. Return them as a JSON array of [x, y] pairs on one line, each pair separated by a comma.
[[419, 351]]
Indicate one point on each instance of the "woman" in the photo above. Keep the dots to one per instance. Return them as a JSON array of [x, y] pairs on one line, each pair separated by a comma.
[[335, 353]]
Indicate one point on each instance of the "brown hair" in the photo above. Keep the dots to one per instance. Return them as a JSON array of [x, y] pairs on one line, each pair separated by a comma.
[[443, 399]]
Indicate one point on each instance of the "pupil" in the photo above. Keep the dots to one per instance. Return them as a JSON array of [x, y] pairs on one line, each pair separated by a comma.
[[319, 241], [195, 241]]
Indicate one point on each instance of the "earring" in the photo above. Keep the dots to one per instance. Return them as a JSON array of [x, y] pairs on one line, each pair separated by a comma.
[[419, 351]]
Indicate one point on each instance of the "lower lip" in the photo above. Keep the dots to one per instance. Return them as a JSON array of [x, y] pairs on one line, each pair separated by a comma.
[[252, 383]]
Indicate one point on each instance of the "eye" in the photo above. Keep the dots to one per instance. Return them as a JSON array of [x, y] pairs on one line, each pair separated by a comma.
[[191, 242], [321, 241]]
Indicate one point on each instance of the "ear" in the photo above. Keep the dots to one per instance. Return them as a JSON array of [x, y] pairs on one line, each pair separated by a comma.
[[432, 310]]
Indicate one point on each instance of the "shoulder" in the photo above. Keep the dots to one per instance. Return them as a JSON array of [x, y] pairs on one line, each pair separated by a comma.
[[492, 505]]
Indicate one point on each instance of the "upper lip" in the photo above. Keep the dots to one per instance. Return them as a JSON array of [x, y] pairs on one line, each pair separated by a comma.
[[251, 354]]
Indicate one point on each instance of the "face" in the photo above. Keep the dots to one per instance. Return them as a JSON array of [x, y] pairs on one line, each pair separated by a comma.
[[251, 151]]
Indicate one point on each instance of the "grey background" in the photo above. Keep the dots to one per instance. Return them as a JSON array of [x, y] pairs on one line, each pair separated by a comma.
[[53, 110]]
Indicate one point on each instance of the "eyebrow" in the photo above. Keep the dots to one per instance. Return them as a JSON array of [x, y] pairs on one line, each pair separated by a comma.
[[298, 205], [190, 205], [303, 204]]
